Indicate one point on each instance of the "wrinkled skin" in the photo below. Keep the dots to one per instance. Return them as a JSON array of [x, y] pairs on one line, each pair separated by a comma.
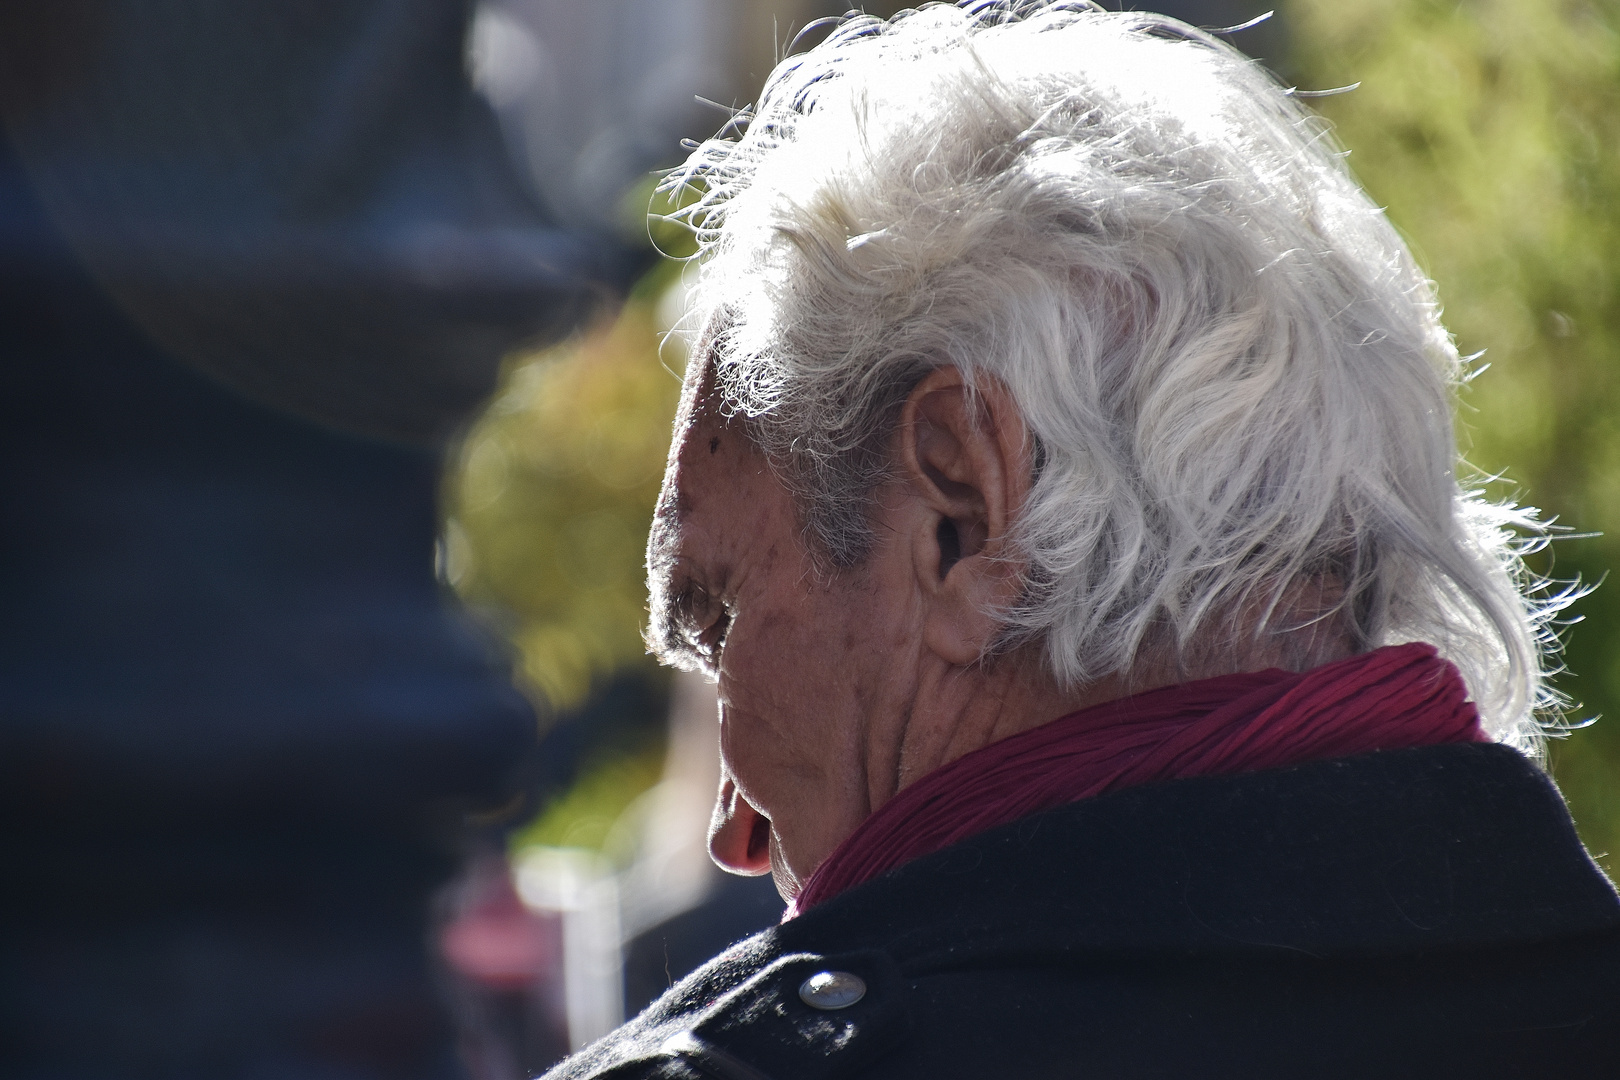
[[839, 688]]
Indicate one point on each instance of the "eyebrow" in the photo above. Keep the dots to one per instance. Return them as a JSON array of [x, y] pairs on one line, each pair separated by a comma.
[[673, 641], [668, 637]]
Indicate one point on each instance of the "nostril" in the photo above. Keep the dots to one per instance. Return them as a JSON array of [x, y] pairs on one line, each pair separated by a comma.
[[739, 835], [759, 840]]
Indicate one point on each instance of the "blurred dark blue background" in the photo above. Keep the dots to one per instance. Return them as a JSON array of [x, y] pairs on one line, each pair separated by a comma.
[[257, 261]]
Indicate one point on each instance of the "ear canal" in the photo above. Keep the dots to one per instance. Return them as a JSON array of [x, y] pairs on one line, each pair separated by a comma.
[[950, 546]]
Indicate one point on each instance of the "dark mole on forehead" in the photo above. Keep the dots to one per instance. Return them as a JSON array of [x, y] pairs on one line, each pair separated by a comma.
[[714, 444]]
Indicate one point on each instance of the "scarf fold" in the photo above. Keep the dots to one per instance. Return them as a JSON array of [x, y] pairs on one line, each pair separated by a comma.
[[1395, 697]]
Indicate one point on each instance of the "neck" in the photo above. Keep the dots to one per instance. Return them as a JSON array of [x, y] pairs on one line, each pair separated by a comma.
[[1394, 697], [959, 710]]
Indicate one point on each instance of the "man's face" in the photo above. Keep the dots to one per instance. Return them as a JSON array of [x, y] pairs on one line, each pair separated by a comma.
[[812, 665]]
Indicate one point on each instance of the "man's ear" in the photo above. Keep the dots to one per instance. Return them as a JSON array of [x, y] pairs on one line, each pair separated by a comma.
[[965, 456]]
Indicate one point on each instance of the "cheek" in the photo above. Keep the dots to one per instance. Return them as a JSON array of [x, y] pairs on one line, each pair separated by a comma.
[[782, 698], [793, 708]]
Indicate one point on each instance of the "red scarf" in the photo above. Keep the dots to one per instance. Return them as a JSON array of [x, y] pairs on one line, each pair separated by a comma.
[[1394, 697]]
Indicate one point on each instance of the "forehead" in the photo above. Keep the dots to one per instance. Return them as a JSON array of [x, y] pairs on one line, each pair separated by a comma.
[[711, 460]]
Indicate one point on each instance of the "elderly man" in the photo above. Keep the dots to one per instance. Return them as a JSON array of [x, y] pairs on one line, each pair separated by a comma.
[[1112, 672]]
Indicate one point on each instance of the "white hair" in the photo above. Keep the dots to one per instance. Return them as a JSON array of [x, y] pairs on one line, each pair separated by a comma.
[[1233, 373]]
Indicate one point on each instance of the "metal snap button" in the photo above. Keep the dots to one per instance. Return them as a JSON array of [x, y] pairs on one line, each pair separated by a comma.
[[830, 990]]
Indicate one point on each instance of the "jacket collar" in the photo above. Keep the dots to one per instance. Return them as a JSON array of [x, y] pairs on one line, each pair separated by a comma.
[[1448, 847]]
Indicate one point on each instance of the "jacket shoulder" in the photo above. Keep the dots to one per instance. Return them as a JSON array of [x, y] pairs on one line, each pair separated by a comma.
[[1395, 914], [759, 1013]]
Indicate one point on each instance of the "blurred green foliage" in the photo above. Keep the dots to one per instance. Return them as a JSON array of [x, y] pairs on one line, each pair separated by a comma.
[[548, 504], [585, 815], [551, 496], [1491, 131]]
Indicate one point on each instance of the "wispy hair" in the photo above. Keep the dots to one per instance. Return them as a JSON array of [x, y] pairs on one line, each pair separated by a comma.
[[1233, 372]]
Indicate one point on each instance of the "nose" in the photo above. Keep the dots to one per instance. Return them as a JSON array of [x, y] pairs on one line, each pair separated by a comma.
[[739, 835]]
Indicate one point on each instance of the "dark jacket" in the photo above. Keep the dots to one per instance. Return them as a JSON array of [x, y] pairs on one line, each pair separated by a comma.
[[1425, 913]]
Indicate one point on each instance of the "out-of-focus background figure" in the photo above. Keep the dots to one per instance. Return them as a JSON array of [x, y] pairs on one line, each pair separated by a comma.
[[337, 388]]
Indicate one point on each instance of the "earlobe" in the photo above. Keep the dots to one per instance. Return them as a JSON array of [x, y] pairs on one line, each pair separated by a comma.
[[964, 455]]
